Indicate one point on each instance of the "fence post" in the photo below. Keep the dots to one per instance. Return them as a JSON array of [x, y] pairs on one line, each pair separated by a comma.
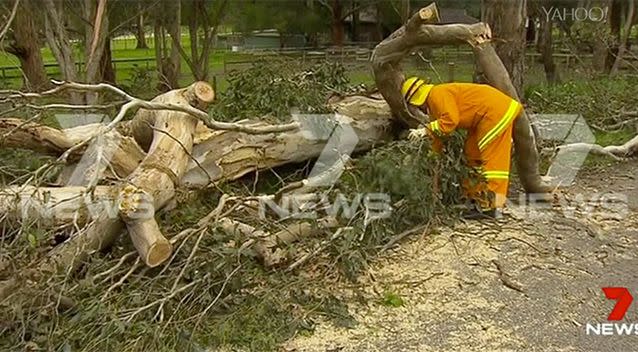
[[450, 71], [215, 84]]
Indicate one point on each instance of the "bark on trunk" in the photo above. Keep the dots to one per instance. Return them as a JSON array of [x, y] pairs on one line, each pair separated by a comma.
[[545, 46], [95, 36], [107, 70], [25, 45], [601, 38], [20, 134], [507, 21], [57, 206], [140, 35], [168, 64], [60, 44], [174, 30], [228, 155], [147, 189], [615, 22], [629, 15], [338, 32]]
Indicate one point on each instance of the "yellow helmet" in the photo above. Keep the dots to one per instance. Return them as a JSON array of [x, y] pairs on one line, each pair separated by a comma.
[[415, 91]]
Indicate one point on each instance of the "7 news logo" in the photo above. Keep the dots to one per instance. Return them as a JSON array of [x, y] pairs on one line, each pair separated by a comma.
[[623, 300]]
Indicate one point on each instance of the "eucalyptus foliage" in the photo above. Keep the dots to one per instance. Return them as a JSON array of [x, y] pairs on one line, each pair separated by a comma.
[[275, 89]]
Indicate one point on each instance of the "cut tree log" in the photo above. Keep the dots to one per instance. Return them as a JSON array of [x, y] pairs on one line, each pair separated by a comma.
[[228, 155], [21, 134], [153, 181], [57, 206], [239, 154], [266, 244], [421, 30]]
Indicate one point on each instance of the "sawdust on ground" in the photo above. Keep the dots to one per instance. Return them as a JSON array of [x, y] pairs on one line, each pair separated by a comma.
[[530, 282]]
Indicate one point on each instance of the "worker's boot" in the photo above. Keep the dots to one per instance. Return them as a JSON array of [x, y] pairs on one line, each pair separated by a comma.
[[475, 212]]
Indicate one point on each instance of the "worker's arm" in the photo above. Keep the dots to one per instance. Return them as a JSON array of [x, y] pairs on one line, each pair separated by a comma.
[[443, 110]]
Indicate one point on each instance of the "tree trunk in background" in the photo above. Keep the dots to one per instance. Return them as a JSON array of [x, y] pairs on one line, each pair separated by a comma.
[[615, 21], [174, 30], [198, 16], [337, 23], [95, 38], [60, 44], [507, 20], [168, 64], [355, 22], [26, 47], [107, 71], [629, 15], [140, 36], [545, 48]]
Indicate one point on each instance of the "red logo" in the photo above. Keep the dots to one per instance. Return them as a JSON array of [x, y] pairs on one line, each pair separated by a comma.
[[623, 301]]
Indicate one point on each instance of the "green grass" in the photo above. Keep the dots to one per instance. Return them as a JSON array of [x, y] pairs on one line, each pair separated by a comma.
[[120, 49]]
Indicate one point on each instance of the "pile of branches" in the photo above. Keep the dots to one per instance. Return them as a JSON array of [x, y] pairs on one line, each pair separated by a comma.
[[234, 260]]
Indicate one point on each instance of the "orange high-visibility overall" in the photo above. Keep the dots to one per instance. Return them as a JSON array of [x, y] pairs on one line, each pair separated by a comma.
[[488, 115]]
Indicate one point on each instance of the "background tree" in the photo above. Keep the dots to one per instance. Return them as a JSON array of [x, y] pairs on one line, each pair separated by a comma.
[[203, 16], [288, 17], [139, 32], [167, 20], [339, 10], [24, 43], [628, 16], [58, 39], [539, 9], [507, 20]]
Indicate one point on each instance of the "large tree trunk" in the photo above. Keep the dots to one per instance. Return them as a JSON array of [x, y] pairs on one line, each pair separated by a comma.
[[46, 140], [174, 30], [507, 20], [228, 155], [166, 164], [145, 190], [25, 45], [524, 140]]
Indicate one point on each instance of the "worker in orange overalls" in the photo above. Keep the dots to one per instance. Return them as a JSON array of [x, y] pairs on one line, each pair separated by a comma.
[[488, 115]]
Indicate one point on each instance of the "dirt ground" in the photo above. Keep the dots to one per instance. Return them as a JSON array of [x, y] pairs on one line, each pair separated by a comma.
[[529, 282]]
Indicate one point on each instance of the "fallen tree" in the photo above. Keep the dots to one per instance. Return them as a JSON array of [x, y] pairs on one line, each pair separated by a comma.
[[171, 142], [183, 151]]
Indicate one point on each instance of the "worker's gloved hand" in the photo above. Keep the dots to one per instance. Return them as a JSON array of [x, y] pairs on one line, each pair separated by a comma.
[[417, 133]]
